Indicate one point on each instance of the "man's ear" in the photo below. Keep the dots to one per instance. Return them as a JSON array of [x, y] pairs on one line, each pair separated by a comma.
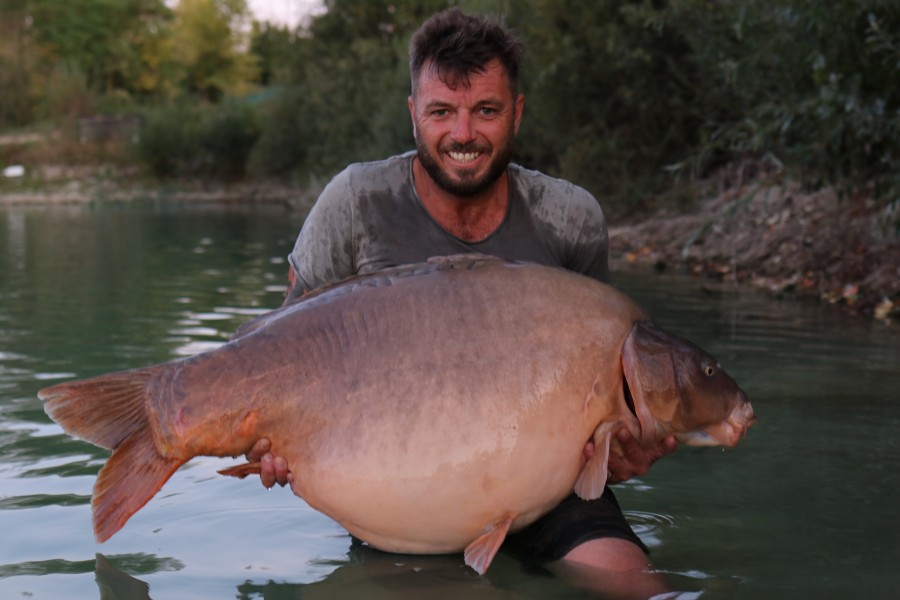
[[412, 113], [520, 106]]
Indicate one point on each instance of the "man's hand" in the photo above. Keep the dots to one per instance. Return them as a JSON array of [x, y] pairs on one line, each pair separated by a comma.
[[272, 469], [635, 459]]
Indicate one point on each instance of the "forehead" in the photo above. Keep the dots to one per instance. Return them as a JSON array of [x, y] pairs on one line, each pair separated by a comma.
[[493, 81]]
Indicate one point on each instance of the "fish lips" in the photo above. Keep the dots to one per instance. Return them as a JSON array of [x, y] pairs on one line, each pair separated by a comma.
[[725, 433]]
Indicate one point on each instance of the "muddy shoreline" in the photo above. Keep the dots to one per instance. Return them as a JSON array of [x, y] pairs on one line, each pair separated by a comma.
[[792, 243]]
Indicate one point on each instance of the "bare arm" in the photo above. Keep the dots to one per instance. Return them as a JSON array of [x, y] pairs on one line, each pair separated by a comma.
[[294, 288]]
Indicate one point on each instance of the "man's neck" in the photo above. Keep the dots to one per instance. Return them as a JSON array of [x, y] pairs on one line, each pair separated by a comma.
[[471, 219]]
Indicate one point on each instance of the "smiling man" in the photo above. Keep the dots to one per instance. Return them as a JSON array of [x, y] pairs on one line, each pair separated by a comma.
[[459, 192], [464, 133]]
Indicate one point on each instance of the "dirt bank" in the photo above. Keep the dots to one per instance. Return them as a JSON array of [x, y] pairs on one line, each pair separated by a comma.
[[843, 251]]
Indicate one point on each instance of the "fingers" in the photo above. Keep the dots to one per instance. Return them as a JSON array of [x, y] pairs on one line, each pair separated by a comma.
[[667, 446], [259, 448], [632, 451], [619, 467], [635, 460], [282, 474], [267, 470], [272, 469], [589, 450]]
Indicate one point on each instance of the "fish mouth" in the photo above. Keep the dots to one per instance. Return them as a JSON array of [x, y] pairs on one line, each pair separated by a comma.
[[739, 421], [725, 433]]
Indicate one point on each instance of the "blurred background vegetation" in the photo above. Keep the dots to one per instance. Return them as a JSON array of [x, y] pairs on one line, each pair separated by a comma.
[[632, 99]]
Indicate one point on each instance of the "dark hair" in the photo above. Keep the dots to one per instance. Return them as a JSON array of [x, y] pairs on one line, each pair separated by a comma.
[[457, 45]]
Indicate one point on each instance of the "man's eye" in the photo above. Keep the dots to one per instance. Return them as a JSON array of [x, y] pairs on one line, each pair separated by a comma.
[[488, 111], [440, 112]]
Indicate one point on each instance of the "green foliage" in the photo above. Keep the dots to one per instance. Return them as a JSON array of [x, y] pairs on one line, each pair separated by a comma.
[[612, 94], [106, 40], [16, 98], [208, 35], [227, 137], [286, 129], [815, 88], [349, 81], [621, 95], [198, 141], [170, 140], [271, 46]]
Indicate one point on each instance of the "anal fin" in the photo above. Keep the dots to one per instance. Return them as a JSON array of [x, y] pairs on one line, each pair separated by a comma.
[[481, 552]]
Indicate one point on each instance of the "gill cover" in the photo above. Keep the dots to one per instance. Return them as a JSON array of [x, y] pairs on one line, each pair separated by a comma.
[[650, 374], [678, 388]]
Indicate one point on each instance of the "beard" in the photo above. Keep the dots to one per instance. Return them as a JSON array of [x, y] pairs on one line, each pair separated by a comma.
[[468, 184]]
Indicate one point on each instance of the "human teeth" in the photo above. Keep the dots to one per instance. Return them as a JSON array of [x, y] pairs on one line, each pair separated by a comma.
[[464, 156]]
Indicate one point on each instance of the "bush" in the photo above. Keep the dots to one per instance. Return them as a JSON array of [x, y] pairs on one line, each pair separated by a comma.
[[227, 137], [814, 86], [198, 140], [170, 141], [282, 146]]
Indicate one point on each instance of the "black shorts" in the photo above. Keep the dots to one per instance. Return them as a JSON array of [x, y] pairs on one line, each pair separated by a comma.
[[570, 524]]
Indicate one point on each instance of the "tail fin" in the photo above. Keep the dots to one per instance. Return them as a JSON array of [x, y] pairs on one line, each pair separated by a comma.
[[110, 411]]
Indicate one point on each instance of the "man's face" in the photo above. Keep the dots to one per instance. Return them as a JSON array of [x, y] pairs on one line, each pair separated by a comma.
[[464, 135]]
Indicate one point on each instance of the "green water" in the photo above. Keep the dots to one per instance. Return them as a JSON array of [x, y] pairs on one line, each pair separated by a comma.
[[804, 508]]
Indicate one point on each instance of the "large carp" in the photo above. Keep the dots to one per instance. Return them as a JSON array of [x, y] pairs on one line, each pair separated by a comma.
[[428, 408]]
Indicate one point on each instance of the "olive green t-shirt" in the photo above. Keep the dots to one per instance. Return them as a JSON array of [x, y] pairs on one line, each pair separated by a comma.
[[369, 217]]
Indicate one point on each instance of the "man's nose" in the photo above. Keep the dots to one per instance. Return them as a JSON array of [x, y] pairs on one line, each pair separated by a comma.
[[463, 128]]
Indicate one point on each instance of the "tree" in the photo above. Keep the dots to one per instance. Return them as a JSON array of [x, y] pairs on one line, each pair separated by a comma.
[[347, 86], [612, 94], [210, 38], [271, 45], [109, 41], [15, 64]]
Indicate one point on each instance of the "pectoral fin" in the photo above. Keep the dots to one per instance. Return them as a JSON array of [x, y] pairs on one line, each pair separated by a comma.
[[480, 553], [592, 480]]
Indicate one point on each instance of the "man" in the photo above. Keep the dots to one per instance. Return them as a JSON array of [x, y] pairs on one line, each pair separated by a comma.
[[458, 192]]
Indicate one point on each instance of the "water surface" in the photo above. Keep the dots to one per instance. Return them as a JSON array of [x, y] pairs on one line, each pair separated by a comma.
[[805, 507]]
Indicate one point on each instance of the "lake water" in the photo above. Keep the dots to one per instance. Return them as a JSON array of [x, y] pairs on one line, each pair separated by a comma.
[[805, 507]]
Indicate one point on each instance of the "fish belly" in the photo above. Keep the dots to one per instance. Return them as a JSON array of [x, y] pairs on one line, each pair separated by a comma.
[[442, 408], [436, 491]]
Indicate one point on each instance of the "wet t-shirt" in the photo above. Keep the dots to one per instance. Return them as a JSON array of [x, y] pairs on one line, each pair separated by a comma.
[[370, 217]]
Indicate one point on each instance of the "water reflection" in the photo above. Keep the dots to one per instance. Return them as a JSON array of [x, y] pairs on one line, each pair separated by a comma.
[[363, 573], [116, 585]]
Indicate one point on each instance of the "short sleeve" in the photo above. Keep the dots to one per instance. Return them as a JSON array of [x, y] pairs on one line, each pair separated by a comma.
[[588, 237], [324, 250]]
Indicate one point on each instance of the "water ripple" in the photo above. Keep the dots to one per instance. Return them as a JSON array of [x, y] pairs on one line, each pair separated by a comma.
[[138, 563], [44, 567], [40, 500]]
